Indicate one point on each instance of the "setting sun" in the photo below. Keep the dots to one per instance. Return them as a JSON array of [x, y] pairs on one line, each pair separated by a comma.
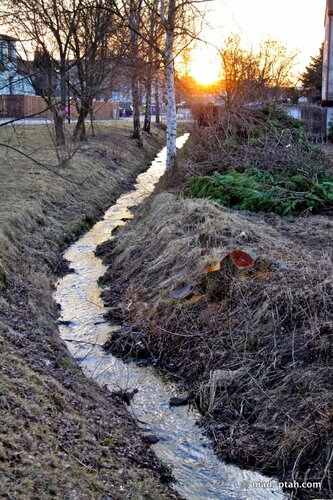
[[228, 17], [204, 66]]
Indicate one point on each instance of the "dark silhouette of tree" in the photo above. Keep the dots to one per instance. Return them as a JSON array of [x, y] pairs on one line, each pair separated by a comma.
[[312, 77], [43, 80]]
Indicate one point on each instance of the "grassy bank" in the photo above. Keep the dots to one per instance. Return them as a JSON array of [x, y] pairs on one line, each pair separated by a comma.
[[253, 345], [61, 435]]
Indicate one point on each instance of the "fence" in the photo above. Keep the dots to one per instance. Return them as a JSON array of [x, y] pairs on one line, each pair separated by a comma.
[[20, 106], [314, 119]]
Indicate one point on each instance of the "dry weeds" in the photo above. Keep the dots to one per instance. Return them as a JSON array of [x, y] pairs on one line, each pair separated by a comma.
[[254, 346]]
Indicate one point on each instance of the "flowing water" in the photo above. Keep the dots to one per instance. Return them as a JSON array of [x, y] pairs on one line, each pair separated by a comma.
[[182, 445]]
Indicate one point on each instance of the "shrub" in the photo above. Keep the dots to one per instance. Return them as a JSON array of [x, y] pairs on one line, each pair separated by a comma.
[[261, 191]]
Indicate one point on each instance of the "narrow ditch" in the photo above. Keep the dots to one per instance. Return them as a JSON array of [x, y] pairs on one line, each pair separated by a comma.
[[181, 444]]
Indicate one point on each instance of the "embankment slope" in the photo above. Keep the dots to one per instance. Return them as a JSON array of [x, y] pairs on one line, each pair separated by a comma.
[[61, 435], [253, 346]]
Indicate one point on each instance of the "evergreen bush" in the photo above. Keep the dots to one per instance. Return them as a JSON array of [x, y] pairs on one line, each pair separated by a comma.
[[259, 191]]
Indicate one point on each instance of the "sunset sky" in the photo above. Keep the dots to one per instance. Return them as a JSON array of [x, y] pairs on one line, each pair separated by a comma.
[[298, 24]]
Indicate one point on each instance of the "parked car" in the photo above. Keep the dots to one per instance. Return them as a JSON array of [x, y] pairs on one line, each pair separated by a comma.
[[125, 110]]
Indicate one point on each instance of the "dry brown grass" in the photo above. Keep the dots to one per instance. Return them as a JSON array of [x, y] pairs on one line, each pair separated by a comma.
[[61, 435], [30, 193], [254, 346]]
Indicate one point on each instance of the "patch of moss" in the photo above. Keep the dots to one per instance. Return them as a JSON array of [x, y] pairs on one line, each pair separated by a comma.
[[166, 473]]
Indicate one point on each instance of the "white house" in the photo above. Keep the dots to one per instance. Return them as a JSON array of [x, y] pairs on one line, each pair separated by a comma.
[[12, 80]]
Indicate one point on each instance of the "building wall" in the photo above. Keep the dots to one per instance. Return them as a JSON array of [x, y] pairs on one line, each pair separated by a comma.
[[11, 82], [327, 87], [327, 90]]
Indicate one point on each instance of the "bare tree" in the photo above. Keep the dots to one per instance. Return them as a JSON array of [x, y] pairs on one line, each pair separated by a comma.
[[153, 63], [157, 87], [274, 66], [168, 21], [93, 47], [237, 72], [176, 19], [48, 25], [74, 43], [252, 76], [135, 16]]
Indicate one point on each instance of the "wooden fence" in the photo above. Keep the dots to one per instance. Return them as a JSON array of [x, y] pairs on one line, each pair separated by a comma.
[[20, 106]]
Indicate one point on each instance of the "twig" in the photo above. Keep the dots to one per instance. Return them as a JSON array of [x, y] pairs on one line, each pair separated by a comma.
[[89, 467]]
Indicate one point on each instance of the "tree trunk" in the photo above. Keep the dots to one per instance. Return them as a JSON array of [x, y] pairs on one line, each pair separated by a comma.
[[60, 115], [137, 132], [147, 123], [157, 103], [50, 101], [83, 111], [170, 90], [80, 127], [92, 124], [59, 129], [135, 18]]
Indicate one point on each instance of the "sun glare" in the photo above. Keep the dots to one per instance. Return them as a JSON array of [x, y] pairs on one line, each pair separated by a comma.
[[204, 67]]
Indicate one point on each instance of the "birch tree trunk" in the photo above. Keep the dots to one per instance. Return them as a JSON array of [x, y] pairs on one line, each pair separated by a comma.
[[157, 103], [170, 87], [147, 123], [149, 72]]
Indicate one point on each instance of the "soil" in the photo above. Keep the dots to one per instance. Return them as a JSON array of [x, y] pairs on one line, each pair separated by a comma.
[[62, 436], [253, 346]]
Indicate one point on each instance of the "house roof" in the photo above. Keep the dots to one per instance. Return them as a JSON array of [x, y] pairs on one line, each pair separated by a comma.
[[8, 38]]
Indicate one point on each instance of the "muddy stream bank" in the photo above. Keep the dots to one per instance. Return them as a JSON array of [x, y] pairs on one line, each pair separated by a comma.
[[182, 445]]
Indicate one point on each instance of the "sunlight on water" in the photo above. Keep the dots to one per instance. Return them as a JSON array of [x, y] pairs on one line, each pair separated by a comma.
[[199, 474]]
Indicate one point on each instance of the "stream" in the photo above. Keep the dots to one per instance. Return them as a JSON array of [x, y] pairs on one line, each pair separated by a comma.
[[182, 445]]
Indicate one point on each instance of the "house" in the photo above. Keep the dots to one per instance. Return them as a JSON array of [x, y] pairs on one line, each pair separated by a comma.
[[13, 79]]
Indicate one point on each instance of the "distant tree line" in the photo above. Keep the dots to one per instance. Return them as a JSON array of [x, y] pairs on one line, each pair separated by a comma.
[[263, 75]]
